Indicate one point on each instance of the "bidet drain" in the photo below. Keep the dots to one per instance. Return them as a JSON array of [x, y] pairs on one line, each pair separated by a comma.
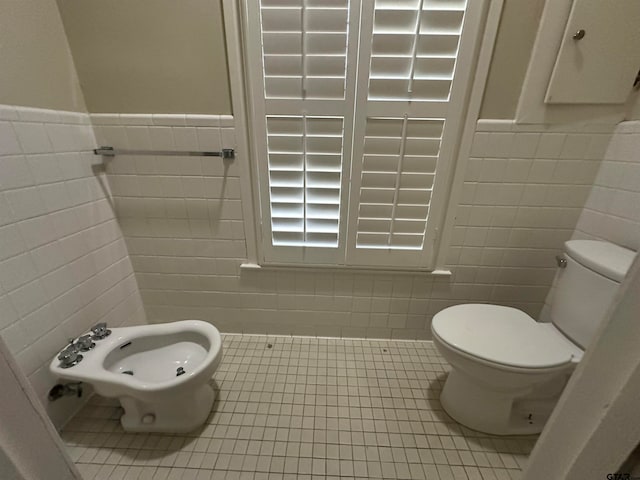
[[128, 372], [180, 371]]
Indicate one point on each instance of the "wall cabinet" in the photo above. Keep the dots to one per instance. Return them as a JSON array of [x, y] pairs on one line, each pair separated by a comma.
[[599, 56]]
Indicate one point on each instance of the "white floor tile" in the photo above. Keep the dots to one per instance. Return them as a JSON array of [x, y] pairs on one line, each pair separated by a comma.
[[305, 407]]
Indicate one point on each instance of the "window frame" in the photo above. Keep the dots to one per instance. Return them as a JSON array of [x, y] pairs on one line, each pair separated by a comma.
[[242, 66]]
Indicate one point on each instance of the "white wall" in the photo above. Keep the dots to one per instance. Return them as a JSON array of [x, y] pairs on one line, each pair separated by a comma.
[[519, 24], [162, 56], [63, 261], [36, 67], [149, 55], [30, 448], [182, 220]]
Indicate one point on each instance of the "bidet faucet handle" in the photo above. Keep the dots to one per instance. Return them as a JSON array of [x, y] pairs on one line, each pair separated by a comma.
[[100, 331], [85, 343], [69, 357]]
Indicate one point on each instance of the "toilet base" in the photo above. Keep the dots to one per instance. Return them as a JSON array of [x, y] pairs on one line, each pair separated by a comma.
[[177, 414], [511, 412]]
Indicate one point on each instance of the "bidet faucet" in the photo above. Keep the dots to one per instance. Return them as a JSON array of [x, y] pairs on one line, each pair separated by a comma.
[[70, 356], [85, 343], [100, 331]]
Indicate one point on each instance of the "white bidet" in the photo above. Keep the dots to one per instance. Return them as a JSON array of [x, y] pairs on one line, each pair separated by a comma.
[[160, 373]]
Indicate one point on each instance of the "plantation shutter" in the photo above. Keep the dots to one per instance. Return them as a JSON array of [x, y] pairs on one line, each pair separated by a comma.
[[304, 100], [357, 106], [409, 116]]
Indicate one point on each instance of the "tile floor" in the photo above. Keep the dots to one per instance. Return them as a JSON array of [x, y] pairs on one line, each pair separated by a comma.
[[306, 408]]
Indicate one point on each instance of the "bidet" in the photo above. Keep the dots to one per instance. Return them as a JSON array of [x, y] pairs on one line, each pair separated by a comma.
[[160, 373]]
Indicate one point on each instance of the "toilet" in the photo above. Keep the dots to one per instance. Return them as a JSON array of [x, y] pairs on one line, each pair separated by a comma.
[[160, 373], [508, 370]]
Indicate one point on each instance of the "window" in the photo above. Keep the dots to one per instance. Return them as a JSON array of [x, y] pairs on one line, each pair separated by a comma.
[[357, 108]]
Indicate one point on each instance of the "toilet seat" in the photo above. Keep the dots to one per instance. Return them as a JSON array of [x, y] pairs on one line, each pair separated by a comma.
[[503, 336]]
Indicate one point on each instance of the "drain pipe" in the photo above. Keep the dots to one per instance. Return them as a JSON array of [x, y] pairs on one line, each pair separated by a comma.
[[65, 390]]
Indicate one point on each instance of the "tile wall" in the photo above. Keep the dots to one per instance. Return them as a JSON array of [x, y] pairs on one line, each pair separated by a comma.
[[63, 261], [182, 220], [612, 211]]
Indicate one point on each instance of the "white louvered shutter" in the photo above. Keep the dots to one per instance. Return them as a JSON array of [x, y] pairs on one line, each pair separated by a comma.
[[303, 97], [410, 104], [357, 106], [305, 167]]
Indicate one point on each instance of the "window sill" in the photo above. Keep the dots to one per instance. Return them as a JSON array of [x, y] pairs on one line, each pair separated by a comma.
[[342, 269]]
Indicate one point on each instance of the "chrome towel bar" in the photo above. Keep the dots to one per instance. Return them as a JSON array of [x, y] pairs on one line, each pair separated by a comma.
[[226, 153]]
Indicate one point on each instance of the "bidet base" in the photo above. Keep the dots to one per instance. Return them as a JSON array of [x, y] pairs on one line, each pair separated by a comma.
[[180, 413]]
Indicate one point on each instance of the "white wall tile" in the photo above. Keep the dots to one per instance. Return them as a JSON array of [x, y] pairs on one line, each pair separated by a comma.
[[11, 242], [550, 145], [24, 202], [161, 138], [524, 190], [203, 120], [169, 119], [52, 213], [138, 138], [184, 138], [14, 172], [208, 138], [133, 119], [16, 271], [44, 168], [5, 212], [8, 112], [9, 144], [611, 211], [29, 297], [32, 137], [525, 145], [8, 313], [37, 231]]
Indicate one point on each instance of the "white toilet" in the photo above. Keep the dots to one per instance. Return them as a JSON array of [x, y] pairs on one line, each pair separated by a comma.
[[160, 373], [508, 370]]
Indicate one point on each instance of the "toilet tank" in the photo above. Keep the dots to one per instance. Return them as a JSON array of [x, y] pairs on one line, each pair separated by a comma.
[[586, 287]]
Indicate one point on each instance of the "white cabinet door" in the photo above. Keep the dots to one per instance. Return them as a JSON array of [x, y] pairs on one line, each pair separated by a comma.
[[601, 66]]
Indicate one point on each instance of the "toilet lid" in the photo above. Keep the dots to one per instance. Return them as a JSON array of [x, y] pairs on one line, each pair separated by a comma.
[[501, 335]]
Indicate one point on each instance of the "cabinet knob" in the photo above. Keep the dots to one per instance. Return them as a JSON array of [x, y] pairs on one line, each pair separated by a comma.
[[579, 35]]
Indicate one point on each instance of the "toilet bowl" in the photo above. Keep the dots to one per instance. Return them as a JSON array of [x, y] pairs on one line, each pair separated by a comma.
[[508, 370], [160, 373]]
